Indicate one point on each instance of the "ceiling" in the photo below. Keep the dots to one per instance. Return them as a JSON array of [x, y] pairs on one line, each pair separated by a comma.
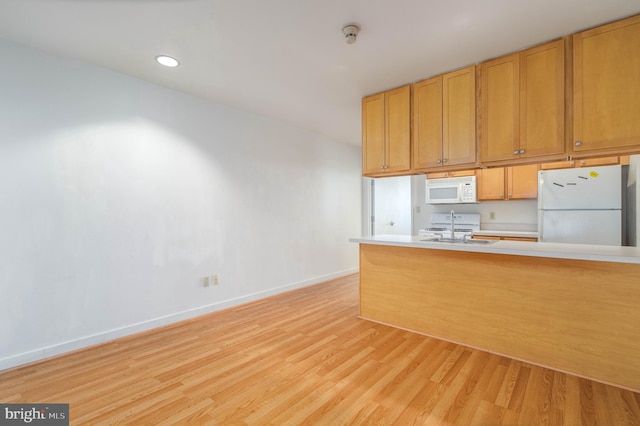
[[287, 59]]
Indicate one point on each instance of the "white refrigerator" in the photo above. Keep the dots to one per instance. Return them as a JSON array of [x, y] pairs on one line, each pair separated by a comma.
[[580, 206]]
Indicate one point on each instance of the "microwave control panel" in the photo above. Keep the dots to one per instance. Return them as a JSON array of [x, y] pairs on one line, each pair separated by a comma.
[[468, 193]]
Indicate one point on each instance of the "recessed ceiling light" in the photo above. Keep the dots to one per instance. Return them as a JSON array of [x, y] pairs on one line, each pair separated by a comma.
[[167, 61]]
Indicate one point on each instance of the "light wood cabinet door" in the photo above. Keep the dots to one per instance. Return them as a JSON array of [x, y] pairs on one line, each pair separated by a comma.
[[606, 88], [500, 122], [542, 100], [373, 134], [459, 117], [427, 123], [491, 184], [522, 182], [398, 129], [386, 132]]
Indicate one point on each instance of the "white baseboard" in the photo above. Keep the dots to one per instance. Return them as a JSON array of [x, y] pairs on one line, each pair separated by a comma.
[[83, 342]]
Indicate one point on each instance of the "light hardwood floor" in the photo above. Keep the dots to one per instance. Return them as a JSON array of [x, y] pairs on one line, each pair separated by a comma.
[[305, 357]]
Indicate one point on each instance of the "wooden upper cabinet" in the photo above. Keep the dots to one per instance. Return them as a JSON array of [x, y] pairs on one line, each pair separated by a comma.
[[427, 123], [508, 183], [499, 94], [491, 184], [373, 139], [444, 121], [386, 132], [459, 117], [606, 88], [398, 129], [542, 100], [522, 98], [522, 182]]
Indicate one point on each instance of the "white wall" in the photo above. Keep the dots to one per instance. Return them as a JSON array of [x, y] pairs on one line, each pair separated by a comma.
[[117, 196]]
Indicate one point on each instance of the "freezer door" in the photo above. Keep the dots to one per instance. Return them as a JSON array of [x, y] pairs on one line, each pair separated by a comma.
[[583, 188], [602, 227]]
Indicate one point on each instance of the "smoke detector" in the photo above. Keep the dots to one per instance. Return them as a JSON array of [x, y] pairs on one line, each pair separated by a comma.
[[351, 33]]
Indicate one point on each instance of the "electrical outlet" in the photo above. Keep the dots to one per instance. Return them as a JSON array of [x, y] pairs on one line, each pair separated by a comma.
[[492, 215], [214, 280], [206, 281]]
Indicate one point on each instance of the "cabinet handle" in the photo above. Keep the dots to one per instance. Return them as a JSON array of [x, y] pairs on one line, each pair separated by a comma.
[[509, 195], [522, 151], [501, 195], [439, 161], [578, 143], [515, 152], [444, 161], [382, 167]]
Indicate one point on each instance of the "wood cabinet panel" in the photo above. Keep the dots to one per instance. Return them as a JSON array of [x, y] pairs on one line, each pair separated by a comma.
[[486, 237], [557, 165], [607, 88], [522, 182], [457, 173], [398, 129], [500, 100], [459, 118], [491, 184], [542, 100], [587, 162], [573, 315], [427, 123], [373, 138]]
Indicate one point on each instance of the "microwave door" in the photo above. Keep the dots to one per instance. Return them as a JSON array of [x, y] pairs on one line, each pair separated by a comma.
[[443, 194]]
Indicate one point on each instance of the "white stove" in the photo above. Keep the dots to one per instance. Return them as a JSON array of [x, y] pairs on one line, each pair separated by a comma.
[[440, 227]]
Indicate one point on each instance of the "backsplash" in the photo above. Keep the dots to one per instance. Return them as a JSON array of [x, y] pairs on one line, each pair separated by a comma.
[[507, 215]]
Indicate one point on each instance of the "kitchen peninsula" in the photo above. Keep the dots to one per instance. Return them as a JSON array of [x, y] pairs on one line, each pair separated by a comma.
[[570, 307]]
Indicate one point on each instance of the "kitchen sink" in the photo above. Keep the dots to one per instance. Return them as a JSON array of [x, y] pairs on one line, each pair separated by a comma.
[[459, 241]]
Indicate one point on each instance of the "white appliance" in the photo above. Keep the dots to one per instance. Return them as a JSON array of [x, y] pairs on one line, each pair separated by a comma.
[[463, 224], [451, 190], [581, 206]]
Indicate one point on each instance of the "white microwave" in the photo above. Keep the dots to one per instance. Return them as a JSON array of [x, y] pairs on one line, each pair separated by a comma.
[[452, 190]]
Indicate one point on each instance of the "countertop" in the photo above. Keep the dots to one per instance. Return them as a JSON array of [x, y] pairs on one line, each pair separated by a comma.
[[517, 248]]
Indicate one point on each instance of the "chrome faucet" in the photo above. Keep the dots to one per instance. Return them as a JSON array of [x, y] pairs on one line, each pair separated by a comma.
[[453, 237]]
